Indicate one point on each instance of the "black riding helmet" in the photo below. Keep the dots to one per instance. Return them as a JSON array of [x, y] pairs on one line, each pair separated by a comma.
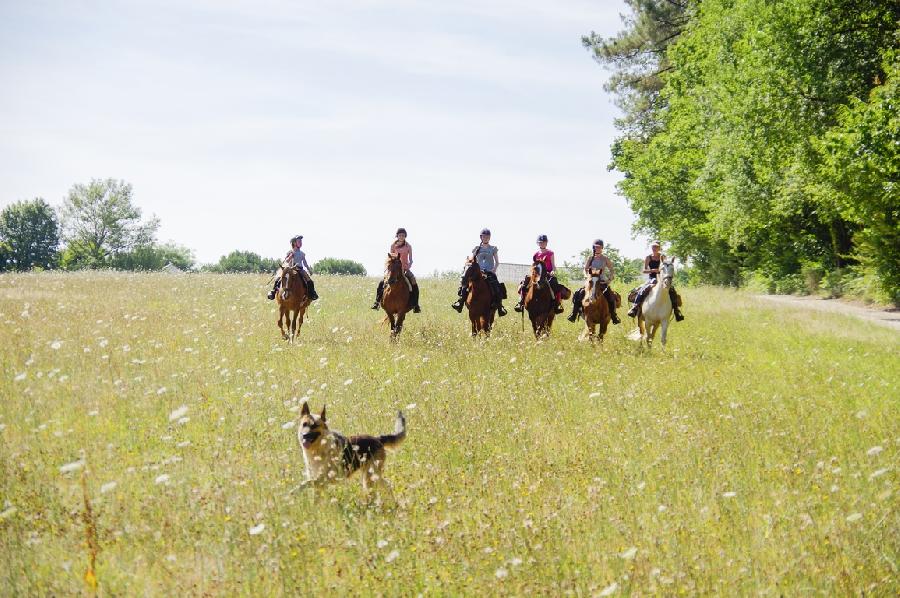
[[401, 230], [542, 238], [486, 231], [598, 242]]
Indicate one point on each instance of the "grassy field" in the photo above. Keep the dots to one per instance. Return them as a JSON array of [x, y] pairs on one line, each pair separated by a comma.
[[758, 454]]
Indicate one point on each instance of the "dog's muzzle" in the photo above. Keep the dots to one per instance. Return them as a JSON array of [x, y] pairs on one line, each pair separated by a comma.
[[310, 437]]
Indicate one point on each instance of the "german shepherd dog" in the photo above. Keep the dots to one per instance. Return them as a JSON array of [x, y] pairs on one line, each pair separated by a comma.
[[330, 456]]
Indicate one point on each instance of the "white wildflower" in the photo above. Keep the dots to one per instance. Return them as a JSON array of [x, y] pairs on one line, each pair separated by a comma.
[[161, 479], [7, 512], [411, 406], [629, 554], [609, 590], [55, 345], [729, 494], [257, 529], [854, 517], [287, 425], [392, 556], [874, 451], [381, 543], [107, 487], [73, 466], [348, 381], [879, 473], [20, 377], [178, 413], [595, 395], [501, 573]]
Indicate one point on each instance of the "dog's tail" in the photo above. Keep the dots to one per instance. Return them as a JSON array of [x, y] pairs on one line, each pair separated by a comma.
[[399, 432]]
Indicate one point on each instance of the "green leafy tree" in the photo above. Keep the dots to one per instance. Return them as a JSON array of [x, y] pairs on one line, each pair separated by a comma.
[[154, 257], [31, 233], [627, 270], [330, 265], [244, 261], [101, 221]]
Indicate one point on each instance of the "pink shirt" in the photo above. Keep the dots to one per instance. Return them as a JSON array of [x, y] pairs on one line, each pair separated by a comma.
[[405, 253], [546, 257]]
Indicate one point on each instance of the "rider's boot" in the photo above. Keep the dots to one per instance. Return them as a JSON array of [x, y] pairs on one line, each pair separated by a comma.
[[611, 300], [577, 297], [674, 297], [379, 293], [274, 290], [636, 306], [501, 311], [559, 309], [311, 290], [414, 299], [458, 305], [518, 307]]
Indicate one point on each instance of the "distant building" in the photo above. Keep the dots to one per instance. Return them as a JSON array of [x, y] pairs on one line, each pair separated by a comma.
[[512, 272]]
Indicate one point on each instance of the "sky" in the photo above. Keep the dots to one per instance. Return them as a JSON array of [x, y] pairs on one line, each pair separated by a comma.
[[240, 124]]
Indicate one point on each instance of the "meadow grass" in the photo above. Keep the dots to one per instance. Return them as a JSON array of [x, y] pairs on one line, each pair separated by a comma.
[[758, 454]]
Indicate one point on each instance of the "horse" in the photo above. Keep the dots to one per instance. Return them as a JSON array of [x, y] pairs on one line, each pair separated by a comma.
[[479, 300], [595, 306], [539, 301], [656, 310], [395, 301], [292, 299]]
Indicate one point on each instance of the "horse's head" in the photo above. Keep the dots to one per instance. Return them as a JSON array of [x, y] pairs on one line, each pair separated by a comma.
[[392, 268], [538, 274], [472, 271], [287, 274], [596, 280], [666, 273]]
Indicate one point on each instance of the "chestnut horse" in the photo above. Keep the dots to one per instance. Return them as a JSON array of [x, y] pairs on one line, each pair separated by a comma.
[[395, 301], [481, 313], [596, 309], [539, 300], [292, 299]]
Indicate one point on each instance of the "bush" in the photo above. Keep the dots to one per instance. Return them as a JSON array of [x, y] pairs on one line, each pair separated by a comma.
[[154, 257], [330, 265], [244, 261]]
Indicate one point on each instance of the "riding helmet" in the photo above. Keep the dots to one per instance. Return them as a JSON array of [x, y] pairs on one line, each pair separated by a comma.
[[655, 244], [542, 238], [598, 242], [296, 238], [486, 231], [400, 230]]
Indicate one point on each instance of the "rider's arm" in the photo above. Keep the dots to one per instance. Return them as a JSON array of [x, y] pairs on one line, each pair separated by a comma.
[[409, 266], [306, 265], [496, 260], [553, 262], [647, 269]]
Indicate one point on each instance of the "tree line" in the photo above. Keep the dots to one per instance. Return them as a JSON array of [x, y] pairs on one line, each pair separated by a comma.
[[762, 139], [99, 226]]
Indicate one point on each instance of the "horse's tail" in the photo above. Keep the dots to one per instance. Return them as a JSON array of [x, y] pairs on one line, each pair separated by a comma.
[[399, 432]]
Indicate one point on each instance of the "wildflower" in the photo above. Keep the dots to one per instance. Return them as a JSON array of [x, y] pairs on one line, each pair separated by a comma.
[[392, 556], [629, 554], [73, 466], [20, 377], [107, 487], [381, 543], [501, 573], [178, 413], [874, 451], [257, 529], [609, 590], [348, 381], [729, 494], [55, 345], [854, 517], [287, 425], [878, 473], [162, 479]]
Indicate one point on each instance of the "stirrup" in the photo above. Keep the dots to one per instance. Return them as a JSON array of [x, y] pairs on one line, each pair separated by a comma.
[[574, 317], [376, 305], [457, 306], [633, 312], [518, 307], [678, 316]]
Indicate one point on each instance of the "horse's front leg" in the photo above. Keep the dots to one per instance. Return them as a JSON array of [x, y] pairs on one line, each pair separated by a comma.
[[664, 328], [393, 322], [281, 324], [400, 317], [293, 317]]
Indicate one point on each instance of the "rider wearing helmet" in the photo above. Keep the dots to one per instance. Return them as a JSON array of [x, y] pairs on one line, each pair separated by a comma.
[[651, 269], [296, 257], [488, 260], [404, 250], [547, 258], [597, 261]]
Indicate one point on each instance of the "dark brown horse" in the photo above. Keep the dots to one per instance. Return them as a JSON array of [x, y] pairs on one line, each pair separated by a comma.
[[396, 294], [539, 300], [596, 309], [481, 313], [292, 302]]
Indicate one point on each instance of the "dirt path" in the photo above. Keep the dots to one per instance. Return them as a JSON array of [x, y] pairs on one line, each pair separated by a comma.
[[883, 317]]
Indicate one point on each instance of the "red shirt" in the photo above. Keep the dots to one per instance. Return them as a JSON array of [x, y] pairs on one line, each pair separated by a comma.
[[545, 256]]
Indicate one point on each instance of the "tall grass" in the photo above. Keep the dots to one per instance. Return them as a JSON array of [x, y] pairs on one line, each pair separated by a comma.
[[758, 454]]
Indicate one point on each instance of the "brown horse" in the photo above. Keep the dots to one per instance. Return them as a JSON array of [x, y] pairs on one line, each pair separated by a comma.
[[292, 299], [539, 301], [596, 309], [396, 294], [481, 313]]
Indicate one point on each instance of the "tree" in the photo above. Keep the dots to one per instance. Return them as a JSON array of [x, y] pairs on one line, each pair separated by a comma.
[[100, 222], [244, 261], [627, 270], [30, 230], [330, 265], [154, 257]]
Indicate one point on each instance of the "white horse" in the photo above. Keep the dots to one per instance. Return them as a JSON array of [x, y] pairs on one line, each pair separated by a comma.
[[656, 310]]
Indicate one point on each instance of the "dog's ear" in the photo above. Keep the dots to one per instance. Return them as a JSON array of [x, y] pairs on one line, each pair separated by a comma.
[[322, 415], [305, 410]]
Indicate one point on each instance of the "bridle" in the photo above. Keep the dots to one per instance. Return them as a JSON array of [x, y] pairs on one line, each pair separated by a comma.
[[394, 270]]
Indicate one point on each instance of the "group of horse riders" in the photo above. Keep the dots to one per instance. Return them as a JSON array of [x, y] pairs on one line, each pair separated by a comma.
[[486, 256]]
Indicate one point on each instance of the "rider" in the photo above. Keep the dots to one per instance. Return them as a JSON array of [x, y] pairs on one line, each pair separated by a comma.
[[546, 257], [651, 268], [404, 251], [597, 261], [486, 256], [296, 258]]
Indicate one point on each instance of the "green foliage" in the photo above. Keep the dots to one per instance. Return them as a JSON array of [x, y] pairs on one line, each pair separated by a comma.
[[154, 257], [627, 270], [5, 256], [100, 222], [774, 140], [31, 233], [244, 261], [330, 265]]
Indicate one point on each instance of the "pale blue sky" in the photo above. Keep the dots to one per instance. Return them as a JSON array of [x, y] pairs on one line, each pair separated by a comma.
[[241, 124]]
